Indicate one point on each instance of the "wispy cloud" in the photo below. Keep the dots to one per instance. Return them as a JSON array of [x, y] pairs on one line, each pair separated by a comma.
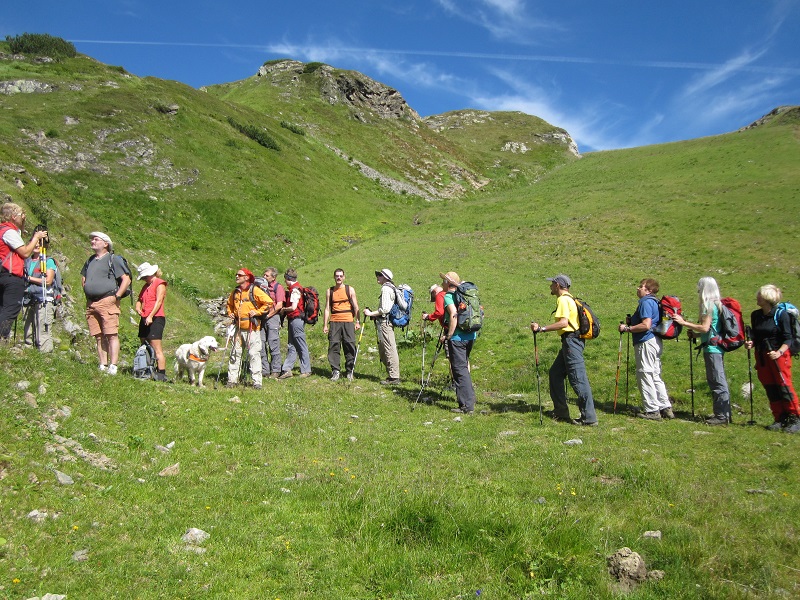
[[507, 20]]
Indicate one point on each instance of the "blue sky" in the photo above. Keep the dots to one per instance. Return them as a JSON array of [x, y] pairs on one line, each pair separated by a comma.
[[614, 74]]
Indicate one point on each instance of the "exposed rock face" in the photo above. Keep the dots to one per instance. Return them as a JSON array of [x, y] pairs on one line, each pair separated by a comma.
[[348, 88], [24, 86], [776, 114]]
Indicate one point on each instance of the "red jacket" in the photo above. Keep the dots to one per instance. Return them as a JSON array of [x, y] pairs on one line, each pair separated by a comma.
[[8, 254]]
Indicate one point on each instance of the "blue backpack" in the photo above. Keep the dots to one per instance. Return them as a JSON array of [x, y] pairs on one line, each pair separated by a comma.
[[400, 315], [794, 323]]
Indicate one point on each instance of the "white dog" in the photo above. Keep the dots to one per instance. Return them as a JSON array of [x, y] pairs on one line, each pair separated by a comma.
[[192, 358]]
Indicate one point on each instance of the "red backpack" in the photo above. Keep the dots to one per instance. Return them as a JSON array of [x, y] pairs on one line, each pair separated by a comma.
[[730, 333], [668, 307]]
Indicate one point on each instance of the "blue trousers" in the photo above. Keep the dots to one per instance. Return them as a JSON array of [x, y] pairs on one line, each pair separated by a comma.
[[569, 364]]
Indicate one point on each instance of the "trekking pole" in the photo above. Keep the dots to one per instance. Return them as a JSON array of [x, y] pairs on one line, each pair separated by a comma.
[[627, 363], [425, 383], [747, 332], [691, 372], [538, 380], [619, 366], [424, 345], [360, 335], [224, 354], [245, 360]]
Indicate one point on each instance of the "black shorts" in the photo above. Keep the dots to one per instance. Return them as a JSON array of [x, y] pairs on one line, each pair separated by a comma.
[[154, 331]]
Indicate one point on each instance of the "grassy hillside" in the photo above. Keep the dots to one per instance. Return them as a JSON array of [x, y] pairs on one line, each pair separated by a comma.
[[315, 489]]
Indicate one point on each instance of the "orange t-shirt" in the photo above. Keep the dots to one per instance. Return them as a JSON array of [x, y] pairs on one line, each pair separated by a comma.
[[341, 309]]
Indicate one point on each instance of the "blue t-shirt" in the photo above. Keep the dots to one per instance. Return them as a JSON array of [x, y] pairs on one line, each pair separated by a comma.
[[458, 335], [647, 309]]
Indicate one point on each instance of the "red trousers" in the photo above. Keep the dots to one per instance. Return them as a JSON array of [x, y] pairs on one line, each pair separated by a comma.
[[776, 377]]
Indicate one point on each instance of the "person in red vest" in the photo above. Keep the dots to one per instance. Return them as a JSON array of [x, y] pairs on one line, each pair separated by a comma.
[[150, 307], [13, 252], [293, 310]]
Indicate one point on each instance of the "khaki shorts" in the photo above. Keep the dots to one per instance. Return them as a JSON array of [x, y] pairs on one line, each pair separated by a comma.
[[102, 316]]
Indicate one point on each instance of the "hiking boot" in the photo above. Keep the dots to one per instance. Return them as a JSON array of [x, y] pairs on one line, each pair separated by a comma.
[[653, 415], [231, 384], [160, 376], [390, 381], [717, 420], [666, 413], [776, 426], [349, 376], [305, 374], [581, 422], [112, 369], [335, 376], [285, 375], [462, 411], [792, 425], [274, 375], [103, 368], [256, 386]]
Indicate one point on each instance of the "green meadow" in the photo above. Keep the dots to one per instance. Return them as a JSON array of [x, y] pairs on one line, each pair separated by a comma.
[[317, 489]]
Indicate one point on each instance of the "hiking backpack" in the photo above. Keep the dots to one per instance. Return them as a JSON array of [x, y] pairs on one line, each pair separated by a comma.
[[144, 362], [400, 315], [125, 268], [730, 335], [469, 311], [794, 324], [56, 289], [667, 329], [588, 323], [310, 305]]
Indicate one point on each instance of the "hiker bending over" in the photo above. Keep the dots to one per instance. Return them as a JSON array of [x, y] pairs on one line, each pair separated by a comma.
[[459, 346], [772, 338], [569, 363], [150, 307], [105, 278], [294, 309], [246, 304], [340, 323], [709, 324], [387, 347], [647, 348], [13, 252]]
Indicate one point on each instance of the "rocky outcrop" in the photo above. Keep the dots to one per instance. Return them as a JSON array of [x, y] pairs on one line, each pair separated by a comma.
[[24, 86], [776, 115], [366, 96]]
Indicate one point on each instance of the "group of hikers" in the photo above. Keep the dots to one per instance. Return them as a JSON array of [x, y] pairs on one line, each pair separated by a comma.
[[258, 307]]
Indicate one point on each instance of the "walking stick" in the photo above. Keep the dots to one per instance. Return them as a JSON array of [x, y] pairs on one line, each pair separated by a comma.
[[691, 372], [224, 353], [360, 335], [424, 345], [425, 382], [538, 380], [747, 332], [619, 365], [627, 363], [244, 364]]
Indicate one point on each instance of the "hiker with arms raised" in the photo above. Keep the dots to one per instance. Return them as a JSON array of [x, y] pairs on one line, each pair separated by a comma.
[[13, 252], [647, 348], [294, 309], [387, 346], [773, 340], [569, 362], [340, 323], [709, 324], [246, 304], [459, 346], [105, 278]]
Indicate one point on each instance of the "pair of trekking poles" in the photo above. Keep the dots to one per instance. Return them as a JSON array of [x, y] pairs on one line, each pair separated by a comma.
[[233, 333], [425, 381]]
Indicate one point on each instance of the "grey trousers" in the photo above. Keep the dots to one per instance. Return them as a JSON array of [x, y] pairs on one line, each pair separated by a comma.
[[271, 360]]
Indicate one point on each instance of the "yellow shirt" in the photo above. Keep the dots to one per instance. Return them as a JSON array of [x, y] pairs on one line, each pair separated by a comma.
[[566, 307]]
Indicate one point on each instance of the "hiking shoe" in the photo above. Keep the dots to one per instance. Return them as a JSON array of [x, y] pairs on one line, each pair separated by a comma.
[[285, 375], [666, 413], [335, 376], [462, 411], [390, 381], [349, 376], [584, 423], [305, 374], [102, 368], [112, 369], [653, 415], [273, 375], [776, 426], [160, 377], [231, 384], [256, 386], [717, 420], [792, 425]]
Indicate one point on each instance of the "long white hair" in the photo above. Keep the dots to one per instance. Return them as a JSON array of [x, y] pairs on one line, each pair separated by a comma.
[[708, 290]]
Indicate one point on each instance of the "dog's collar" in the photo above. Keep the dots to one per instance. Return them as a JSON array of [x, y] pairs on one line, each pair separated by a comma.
[[197, 358]]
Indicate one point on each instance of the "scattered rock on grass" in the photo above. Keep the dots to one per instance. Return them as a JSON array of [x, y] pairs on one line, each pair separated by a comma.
[[171, 470], [628, 568]]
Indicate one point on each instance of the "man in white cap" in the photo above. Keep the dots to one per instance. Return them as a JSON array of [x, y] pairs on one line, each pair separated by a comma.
[[387, 347], [105, 278], [569, 362]]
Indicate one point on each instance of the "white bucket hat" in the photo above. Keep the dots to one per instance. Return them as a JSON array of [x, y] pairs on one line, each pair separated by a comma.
[[146, 269]]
